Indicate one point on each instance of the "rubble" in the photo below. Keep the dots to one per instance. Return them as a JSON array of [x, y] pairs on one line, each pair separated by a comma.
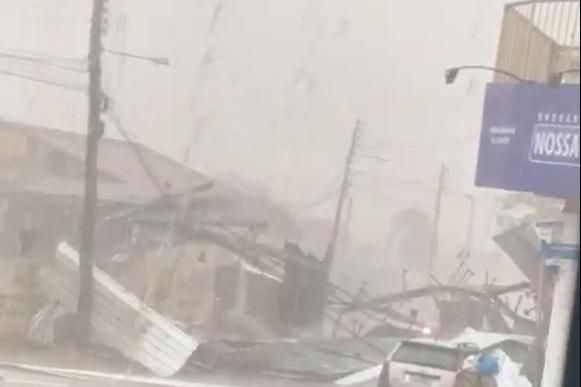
[[120, 319]]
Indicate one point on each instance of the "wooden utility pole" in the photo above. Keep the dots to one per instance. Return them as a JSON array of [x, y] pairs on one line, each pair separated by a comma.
[[470, 229], [94, 133], [434, 242], [332, 247]]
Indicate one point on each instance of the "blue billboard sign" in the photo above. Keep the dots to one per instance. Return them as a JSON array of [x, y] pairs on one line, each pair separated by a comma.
[[560, 250], [530, 139]]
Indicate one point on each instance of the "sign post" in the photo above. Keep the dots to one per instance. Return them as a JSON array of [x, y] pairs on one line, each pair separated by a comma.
[[560, 251]]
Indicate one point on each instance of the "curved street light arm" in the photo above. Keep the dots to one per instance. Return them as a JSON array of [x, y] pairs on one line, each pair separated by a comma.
[[452, 73]]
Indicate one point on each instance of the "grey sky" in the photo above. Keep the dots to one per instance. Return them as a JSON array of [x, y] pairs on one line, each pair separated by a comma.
[[269, 90]]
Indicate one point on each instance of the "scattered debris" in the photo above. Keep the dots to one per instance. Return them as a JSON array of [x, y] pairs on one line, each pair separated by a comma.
[[121, 320], [358, 378], [522, 244], [320, 360], [42, 327]]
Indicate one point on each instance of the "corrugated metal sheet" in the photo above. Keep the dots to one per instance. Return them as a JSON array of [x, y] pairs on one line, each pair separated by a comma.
[[522, 245], [538, 38], [523, 49], [121, 320]]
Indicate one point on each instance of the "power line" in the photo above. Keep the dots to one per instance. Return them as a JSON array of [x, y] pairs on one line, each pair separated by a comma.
[[404, 199], [136, 148], [358, 173], [417, 145], [328, 195], [41, 61], [39, 80], [372, 157], [42, 55], [41, 6]]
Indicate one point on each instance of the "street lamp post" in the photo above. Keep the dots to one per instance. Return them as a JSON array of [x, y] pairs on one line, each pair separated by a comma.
[[160, 61], [556, 79]]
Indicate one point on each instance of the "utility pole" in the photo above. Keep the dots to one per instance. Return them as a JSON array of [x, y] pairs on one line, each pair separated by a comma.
[[94, 133], [434, 242], [332, 247], [470, 229], [347, 232]]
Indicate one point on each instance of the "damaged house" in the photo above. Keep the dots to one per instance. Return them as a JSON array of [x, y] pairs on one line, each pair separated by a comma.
[[143, 198]]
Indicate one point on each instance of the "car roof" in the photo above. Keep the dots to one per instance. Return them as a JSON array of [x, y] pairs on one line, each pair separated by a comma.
[[473, 339]]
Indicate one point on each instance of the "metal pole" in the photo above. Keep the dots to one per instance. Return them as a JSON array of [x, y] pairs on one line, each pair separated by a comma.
[[470, 230], [332, 247], [437, 211], [540, 315], [95, 132]]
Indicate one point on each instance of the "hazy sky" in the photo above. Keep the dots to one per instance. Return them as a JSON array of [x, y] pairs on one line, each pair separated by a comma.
[[269, 91]]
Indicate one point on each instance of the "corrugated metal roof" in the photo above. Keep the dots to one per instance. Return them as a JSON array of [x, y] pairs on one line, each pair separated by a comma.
[[59, 187], [309, 359], [118, 160], [522, 245], [121, 320]]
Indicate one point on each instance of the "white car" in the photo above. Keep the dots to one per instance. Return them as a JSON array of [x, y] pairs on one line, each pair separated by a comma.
[[435, 363]]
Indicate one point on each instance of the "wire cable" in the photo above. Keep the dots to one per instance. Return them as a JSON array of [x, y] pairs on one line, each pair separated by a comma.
[[40, 80], [41, 62], [137, 150]]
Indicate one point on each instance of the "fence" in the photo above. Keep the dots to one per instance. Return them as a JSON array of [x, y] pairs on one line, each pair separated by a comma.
[[539, 38]]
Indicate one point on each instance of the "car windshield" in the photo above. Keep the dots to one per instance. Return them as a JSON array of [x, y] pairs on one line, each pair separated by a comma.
[[241, 193], [432, 356]]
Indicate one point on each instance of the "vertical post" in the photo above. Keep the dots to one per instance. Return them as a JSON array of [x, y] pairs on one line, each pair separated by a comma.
[[434, 242], [559, 326], [470, 230], [548, 234], [332, 246], [541, 298], [347, 232], [94, 133]]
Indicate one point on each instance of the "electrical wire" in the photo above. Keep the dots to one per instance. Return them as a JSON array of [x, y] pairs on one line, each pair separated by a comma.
[[399, 181], [404, 198], [41, 61], [28, 6], [331, 191], [40, 80], [319, 201], [41, 55], [137, 150]]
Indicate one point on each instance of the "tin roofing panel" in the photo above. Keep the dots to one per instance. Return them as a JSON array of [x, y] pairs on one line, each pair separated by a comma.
[[121, 320]]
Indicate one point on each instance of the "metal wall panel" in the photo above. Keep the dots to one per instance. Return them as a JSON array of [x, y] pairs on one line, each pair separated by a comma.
[[120, 319]]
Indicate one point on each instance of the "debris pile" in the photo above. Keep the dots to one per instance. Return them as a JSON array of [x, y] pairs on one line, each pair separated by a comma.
[[120, 319]]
